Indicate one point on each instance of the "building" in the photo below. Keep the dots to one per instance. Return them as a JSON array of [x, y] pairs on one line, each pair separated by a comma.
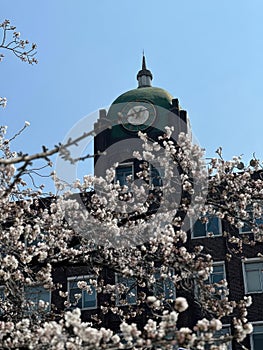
[[151, 109]]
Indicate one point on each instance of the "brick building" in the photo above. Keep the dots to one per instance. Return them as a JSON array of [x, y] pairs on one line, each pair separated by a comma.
[[151, 109]]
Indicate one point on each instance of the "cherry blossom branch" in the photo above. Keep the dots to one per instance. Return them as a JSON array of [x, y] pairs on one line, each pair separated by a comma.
[[62, 149], [20, 48]]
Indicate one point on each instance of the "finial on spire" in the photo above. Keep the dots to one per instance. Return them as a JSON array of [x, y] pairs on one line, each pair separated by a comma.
[[144, 76]]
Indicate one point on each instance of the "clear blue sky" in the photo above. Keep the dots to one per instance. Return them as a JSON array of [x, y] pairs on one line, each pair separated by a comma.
[[209, 54]]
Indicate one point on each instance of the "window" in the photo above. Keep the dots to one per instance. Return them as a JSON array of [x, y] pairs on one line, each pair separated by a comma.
[[34, 295], [82, 295], [2, 299], [2, 293], [39, 239], [122, 172], [218, 273], [164, 287], [156, 176], [258, 221], [206, 226], [217, 276], [224, 331], [126, 291], [253, 276], [256, 337]]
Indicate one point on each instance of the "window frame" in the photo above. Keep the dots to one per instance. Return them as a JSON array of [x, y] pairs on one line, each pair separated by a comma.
[[247, 262], [206, 231], [85, 278], [117, 300]]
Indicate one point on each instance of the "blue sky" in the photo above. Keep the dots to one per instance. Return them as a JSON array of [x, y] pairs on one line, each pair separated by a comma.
[[207, 53]]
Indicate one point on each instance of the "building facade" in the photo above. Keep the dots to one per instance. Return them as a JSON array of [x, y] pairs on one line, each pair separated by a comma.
[[150, 109]]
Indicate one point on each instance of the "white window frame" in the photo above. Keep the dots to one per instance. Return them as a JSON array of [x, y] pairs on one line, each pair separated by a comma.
[[117, 301], [84, 278], [206, 231], [257, 323], [127, 164], [248, 261], [36, 309]]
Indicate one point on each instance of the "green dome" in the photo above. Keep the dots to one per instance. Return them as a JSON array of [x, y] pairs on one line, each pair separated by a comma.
[[157, 96]]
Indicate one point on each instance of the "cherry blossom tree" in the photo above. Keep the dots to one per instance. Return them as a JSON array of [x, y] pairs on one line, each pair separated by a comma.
[[136, 231]]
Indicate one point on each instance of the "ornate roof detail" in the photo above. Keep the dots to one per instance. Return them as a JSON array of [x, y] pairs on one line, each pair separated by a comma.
[[144, 76]]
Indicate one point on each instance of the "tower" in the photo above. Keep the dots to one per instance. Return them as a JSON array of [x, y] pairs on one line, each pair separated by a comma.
[[147, 109]]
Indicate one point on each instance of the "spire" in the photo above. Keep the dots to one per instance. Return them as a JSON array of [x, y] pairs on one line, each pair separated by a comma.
[[144, 76]]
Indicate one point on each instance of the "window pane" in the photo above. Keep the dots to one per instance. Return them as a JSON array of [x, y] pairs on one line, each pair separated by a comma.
[[257, 337], [246, 228], [122, 172], [130, 295], [253, 281], [224, 332], [199, 229], [218, 273], [258, 221], [257, 266], [89, 298], [253, 277], [34, 294], [213, 225], [258, 341], [2, 293], [156, 176], [169, 289], [164, 287], [258, 329], [73, 290], [2, 298]]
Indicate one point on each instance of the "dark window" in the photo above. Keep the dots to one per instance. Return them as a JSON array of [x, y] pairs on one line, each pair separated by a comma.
[[257, 337], [216, 277], [35, 294], [252, 219], [156, 176], [124, 172], [164, 287], [206, 226], [219, 336], [83, 298], [126, 291]]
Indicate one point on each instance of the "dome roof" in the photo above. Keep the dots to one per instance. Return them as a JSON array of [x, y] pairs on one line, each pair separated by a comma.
[[144, 93], [155, 95]]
